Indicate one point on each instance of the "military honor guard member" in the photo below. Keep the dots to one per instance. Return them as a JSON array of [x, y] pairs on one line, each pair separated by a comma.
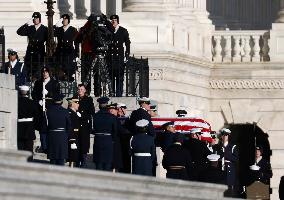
[[142, 113], [143, 150], [177, 160], [229, 161], [37, 36], [261, 169], [181, 113], [153, 111], [28, 116], [66, 50], [15, 67], [199, 152], [213, 174], [168, 136], [58, 129], [86, 110], [45, 89], [73, 146], [118, 57], [105, 131]]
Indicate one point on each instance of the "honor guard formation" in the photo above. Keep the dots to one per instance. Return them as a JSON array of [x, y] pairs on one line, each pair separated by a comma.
[[123, 143]]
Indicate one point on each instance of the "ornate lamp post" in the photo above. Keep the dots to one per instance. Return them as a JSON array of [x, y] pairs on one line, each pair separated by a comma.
[[50, 46]]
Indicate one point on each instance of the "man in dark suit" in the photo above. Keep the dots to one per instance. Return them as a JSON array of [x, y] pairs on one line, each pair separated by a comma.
[[142, 113], [45, 89], [73, 146], [143, 150], [118, 57], [86, 110], [67, 50], [15, 67], [37, 36], [28, 116], [105, 131], [58, 128], [177, 160]]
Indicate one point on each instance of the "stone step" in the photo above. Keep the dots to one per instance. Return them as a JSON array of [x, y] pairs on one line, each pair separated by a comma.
[[31, 180]]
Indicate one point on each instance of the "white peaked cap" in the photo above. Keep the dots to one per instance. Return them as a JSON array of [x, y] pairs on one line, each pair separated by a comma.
[[142, 123], [226, 130], [143, 99], [206, 134], [254, 167], [119, 105], [24, 88], [213, 157]]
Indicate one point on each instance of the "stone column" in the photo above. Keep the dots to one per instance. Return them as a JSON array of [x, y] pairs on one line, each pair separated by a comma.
[[80, 9], [143, 5], [64, 7], [280, 18]]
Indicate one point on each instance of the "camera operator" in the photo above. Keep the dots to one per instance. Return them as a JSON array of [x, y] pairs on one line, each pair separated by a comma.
[[118, 57], [95, 37]]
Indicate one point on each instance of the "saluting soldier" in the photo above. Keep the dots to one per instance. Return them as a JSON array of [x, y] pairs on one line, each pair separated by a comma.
[[45, 89], [105, 131], [143, 150], [28, 115], [118, 56], [142, 113], [199, 152], [86, 111], [67, 50], [230, 158], [37, 36], [58, 127], [15, 67], [73, 152], [177, 160]]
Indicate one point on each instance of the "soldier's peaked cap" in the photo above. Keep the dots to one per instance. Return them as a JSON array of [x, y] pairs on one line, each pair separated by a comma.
[[36, 15], [225, 131], [12, 51], [213, 157], [103, 100], [143, 99], [112, 106], [58, 98], [181, 112], [121, 105], [24, 88], [165, 125], [196, 130], [73, 99], [142, 123]]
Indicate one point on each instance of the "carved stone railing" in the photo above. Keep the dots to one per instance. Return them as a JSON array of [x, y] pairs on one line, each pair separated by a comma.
[[240, 46]]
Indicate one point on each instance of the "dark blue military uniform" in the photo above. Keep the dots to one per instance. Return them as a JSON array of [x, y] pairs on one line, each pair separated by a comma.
[[59, 127], [177, 161], [231, 158], [117, 54], [36, 49], [28, 116], [143, 152], [105, 131], [73, 136], [167, 140], [264, 173], [19, 71], [137, 115], [199, 152], [66, 50]]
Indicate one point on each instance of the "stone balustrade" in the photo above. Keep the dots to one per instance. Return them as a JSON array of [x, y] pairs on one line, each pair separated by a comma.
[[240, 46]]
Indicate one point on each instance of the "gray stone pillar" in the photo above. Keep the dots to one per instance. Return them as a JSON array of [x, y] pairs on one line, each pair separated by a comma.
[[280, 18], [80, 9], [64, 7], [143, 5]]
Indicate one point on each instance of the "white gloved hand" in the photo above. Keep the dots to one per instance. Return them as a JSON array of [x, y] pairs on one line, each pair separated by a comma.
[[45, 92], [73, 146], [79, 114], [40, 102], [59, 23], [77, 59], [30, 22]]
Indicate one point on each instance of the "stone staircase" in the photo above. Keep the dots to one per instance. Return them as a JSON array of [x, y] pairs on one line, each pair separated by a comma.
[[22, 180]]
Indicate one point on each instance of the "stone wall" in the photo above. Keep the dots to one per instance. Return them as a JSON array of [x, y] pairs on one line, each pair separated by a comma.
[[8, 112]]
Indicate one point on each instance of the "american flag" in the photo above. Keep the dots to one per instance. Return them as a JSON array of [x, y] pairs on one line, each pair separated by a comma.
[[184, 125]]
